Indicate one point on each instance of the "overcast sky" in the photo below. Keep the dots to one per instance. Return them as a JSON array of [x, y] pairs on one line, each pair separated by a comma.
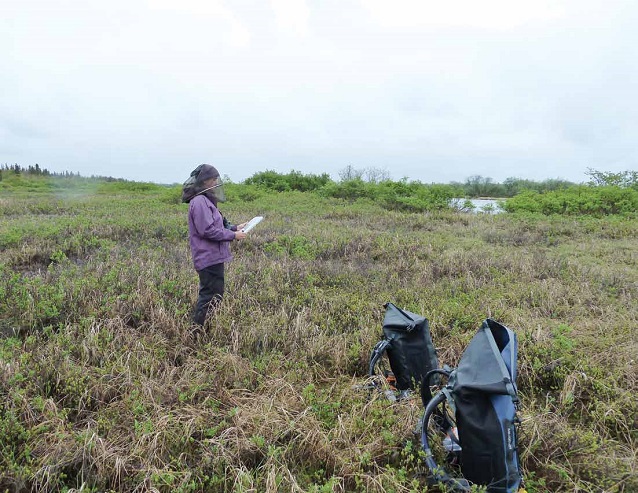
[[432, 91]]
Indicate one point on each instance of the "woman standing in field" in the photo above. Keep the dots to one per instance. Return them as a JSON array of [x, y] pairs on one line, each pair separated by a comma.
[[209, 234]]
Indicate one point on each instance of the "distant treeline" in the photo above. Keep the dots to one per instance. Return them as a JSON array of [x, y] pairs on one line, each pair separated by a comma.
[[605, 193], [354, 181], [31, 170], [37, 170], [479, 186]]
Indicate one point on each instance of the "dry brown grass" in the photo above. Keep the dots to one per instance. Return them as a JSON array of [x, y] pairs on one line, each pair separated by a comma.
[[103, 386]]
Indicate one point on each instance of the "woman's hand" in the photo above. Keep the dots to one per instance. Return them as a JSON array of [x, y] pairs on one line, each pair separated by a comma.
[[239, 234], [241, 226]]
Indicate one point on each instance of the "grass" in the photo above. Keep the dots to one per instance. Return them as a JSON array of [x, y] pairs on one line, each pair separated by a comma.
[[103, 389]]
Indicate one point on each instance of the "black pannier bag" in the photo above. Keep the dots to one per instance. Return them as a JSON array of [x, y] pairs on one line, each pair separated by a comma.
[[481, 396], [408, 344]]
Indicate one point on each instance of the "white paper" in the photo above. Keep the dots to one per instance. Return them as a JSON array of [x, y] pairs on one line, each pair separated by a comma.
[[252, 223]]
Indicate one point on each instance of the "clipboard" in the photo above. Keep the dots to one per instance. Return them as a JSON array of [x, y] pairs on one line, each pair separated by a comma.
[[252, 223]]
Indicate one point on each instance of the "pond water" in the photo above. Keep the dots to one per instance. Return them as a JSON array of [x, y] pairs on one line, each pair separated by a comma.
[[485, 206]]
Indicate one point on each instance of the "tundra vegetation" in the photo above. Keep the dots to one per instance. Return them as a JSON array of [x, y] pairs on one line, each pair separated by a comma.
[[103, 388]]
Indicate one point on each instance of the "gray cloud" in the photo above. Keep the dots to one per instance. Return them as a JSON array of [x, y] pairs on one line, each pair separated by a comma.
[[116, 88]]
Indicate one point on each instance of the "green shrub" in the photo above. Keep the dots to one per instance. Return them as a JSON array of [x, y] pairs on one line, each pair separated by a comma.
[[577, 200], [402, 195], [295, 180], [120, 186]]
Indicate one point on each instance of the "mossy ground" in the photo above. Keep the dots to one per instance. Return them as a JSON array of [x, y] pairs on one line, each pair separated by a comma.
[[102, 387]]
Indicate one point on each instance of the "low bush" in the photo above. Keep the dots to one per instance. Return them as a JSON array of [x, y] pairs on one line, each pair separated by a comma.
[[401, 195], [104, 388], [577, 200], [294, 180]]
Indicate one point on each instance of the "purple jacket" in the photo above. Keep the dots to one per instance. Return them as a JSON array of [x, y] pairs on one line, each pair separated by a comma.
[[208, 237]]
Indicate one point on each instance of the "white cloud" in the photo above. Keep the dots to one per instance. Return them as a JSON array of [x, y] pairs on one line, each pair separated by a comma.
[[458, 87], [488, 14], [209, 15], [291, 16]]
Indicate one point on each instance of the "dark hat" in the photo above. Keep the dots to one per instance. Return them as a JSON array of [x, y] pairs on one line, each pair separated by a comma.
[[207, 172]]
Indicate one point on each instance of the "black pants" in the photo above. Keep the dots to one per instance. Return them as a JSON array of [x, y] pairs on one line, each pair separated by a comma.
[[211, 291]]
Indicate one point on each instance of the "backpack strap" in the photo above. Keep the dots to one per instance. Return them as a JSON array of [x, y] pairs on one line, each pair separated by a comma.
[[438, 474], [378, 350], [426, 393]]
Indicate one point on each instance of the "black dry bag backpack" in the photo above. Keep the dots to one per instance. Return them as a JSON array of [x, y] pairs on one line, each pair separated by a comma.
[[408, 344], [481, 399]]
